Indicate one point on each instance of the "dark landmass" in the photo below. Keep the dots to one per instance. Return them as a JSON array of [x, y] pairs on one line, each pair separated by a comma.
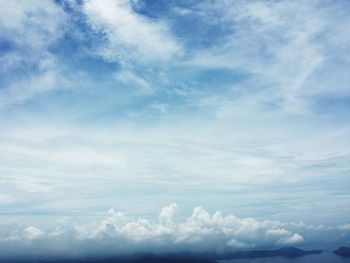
[[135, 259], [343, 252], [289, 252]]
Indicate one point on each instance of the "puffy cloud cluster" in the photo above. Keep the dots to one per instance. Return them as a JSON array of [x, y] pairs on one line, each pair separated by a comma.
[[201, 232], [28, 233]]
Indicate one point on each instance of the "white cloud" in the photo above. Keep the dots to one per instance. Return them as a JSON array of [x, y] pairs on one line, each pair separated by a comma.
[[28, 233], [32, 232], [287, 63], [130, 35], [30, 27], [291, 240], [31, 187], [344, 227], [235, 244], [36, 22], [167, 214], [25, 90], [200, 160], [131, 80], [6, 198], [201, 232]]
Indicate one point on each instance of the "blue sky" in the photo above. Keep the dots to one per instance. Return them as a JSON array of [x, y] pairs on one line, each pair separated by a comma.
[[233, 106]]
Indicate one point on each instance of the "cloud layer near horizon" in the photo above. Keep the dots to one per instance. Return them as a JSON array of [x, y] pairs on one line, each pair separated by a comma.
[[116, 234]]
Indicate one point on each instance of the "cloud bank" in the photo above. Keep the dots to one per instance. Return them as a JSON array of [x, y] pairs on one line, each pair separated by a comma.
[[117, 234]]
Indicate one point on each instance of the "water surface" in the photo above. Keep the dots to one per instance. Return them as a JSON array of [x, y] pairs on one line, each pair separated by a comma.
[[325, 257]]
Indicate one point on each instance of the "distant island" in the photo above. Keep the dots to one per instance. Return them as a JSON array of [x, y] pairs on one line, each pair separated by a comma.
[[149, 258], [289, 252], [343, 252]]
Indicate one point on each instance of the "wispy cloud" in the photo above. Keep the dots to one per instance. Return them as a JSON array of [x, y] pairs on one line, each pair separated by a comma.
[[130, 36], [283, 58]]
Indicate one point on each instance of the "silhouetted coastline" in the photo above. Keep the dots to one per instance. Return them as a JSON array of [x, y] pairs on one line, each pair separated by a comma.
[[287, 252], [343, 252]]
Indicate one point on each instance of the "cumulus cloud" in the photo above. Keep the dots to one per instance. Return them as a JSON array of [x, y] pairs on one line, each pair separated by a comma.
[[291, 240], [32, 232], [130, 34], [201, 232], [167, 214], [28, 233]]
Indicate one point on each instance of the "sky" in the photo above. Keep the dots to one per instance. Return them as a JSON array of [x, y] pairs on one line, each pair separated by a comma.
[[157, 125]]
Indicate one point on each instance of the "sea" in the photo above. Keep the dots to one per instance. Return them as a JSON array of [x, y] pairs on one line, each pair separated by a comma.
[[325, 257]]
